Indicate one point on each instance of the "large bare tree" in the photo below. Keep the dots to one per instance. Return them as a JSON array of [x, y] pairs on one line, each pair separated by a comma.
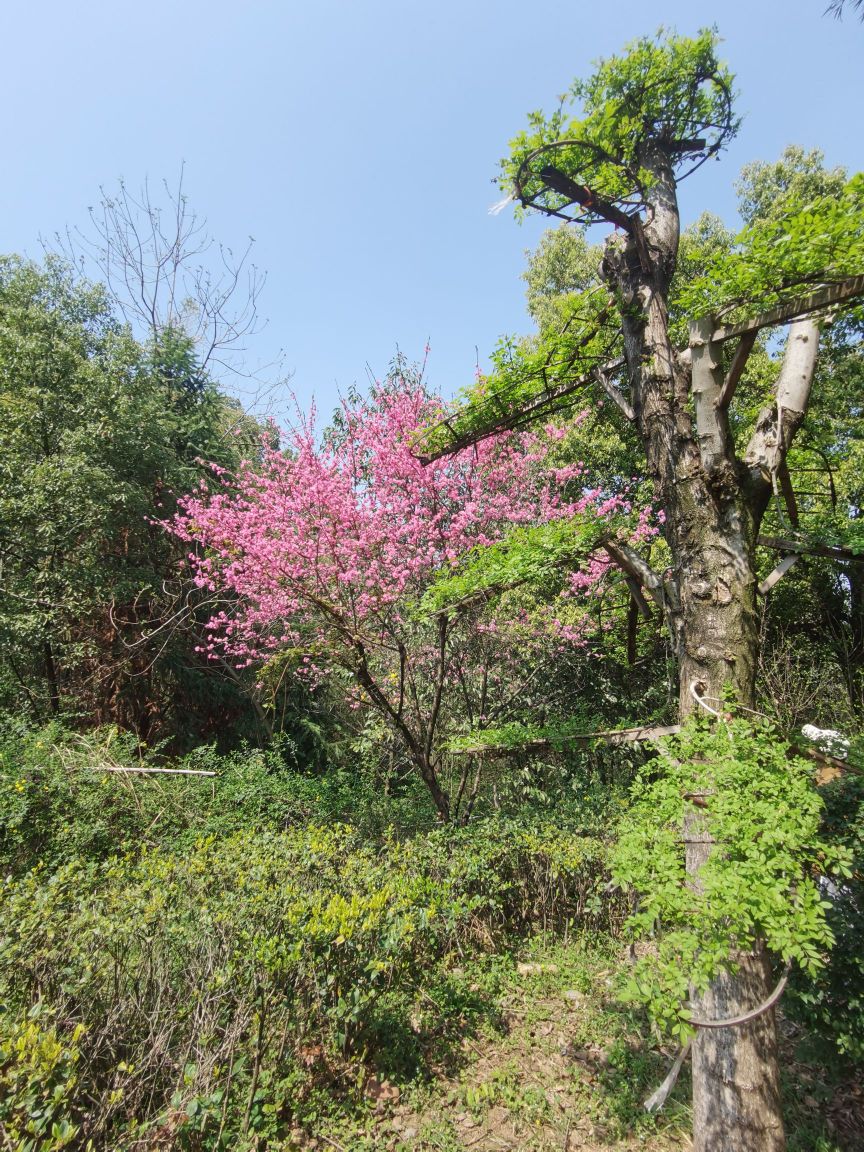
[[166, 274], [649, 119]]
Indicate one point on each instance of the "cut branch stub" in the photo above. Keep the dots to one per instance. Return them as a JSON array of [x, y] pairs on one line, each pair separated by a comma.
[[778, 573], [636, 568], [577, 181]]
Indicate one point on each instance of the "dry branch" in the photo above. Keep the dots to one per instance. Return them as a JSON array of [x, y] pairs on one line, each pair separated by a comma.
[[612, 736]]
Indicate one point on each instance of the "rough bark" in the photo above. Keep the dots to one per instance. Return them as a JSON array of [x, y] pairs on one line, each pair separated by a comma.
[[777, 423], [713, 504], [736, 1082], [735, 1071]]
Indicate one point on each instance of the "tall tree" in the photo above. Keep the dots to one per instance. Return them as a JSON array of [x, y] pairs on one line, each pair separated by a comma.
[[165, 274], [98, 434], [649, 119]]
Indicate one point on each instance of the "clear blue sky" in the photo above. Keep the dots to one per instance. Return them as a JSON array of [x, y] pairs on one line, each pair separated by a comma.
[[357, 143]]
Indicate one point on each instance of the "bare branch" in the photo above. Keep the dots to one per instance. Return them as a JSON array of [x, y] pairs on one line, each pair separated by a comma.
[[638, 599], [777, 424], [560, 182], [142, 771], [778, 573], [615, 394], [785, 481], [739, 361], [157, 261], [614, 736], [637, 568]]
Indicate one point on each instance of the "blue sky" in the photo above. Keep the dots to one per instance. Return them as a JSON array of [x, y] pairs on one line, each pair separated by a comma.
[[357, 143]]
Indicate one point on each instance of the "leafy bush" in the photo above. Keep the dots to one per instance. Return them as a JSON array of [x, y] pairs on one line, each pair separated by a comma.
[[63, 797], [831, 1001], [202, 993], [759, 805], [37, 1081]]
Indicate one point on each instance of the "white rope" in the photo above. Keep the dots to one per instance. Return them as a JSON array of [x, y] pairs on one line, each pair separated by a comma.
[[496, 209], [657, 1099], [700, 700]]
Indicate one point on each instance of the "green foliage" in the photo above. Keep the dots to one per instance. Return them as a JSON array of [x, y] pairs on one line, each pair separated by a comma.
[[526, 375], [204, 994], [538, 555], [767, 190], [761, 883], [562, 263], [775, 258], [664, 92], [64, 796], [705, 240], [38, 1081], [831, 1001], [97, 436]]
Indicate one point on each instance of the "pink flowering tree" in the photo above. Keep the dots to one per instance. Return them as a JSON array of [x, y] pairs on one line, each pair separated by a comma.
[[328, 551]]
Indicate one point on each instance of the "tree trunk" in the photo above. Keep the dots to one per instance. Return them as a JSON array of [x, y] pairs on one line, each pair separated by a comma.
[[735, 1071], [736, 1082], [715, 618], [440, 797], [736, 1085], [713, 503], [51, 676]]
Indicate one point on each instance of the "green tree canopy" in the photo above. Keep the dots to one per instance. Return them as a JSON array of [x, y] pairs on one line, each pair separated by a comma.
[[97, 435]]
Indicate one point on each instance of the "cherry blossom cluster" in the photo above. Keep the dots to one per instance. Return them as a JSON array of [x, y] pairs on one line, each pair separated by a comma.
[[327, 539]]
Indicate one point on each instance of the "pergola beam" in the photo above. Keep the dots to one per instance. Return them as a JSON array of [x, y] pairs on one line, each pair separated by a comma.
[[824, 297], [547, 402], [783, 545]]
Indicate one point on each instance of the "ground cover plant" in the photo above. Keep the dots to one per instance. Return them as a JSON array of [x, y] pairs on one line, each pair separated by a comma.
[[211, 962]]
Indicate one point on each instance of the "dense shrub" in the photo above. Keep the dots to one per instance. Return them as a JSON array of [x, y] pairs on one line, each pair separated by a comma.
[[37, 1081], [197, 995], [63, 796], [832, 1002]]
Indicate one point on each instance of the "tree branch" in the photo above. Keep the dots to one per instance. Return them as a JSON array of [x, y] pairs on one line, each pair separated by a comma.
[[707, 385], [823, 297], [443, 624], [739, 361], [637, 568], [777, 574], [638, 599], [614, 736], [615, 394], [776, 425], [560, 182]]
